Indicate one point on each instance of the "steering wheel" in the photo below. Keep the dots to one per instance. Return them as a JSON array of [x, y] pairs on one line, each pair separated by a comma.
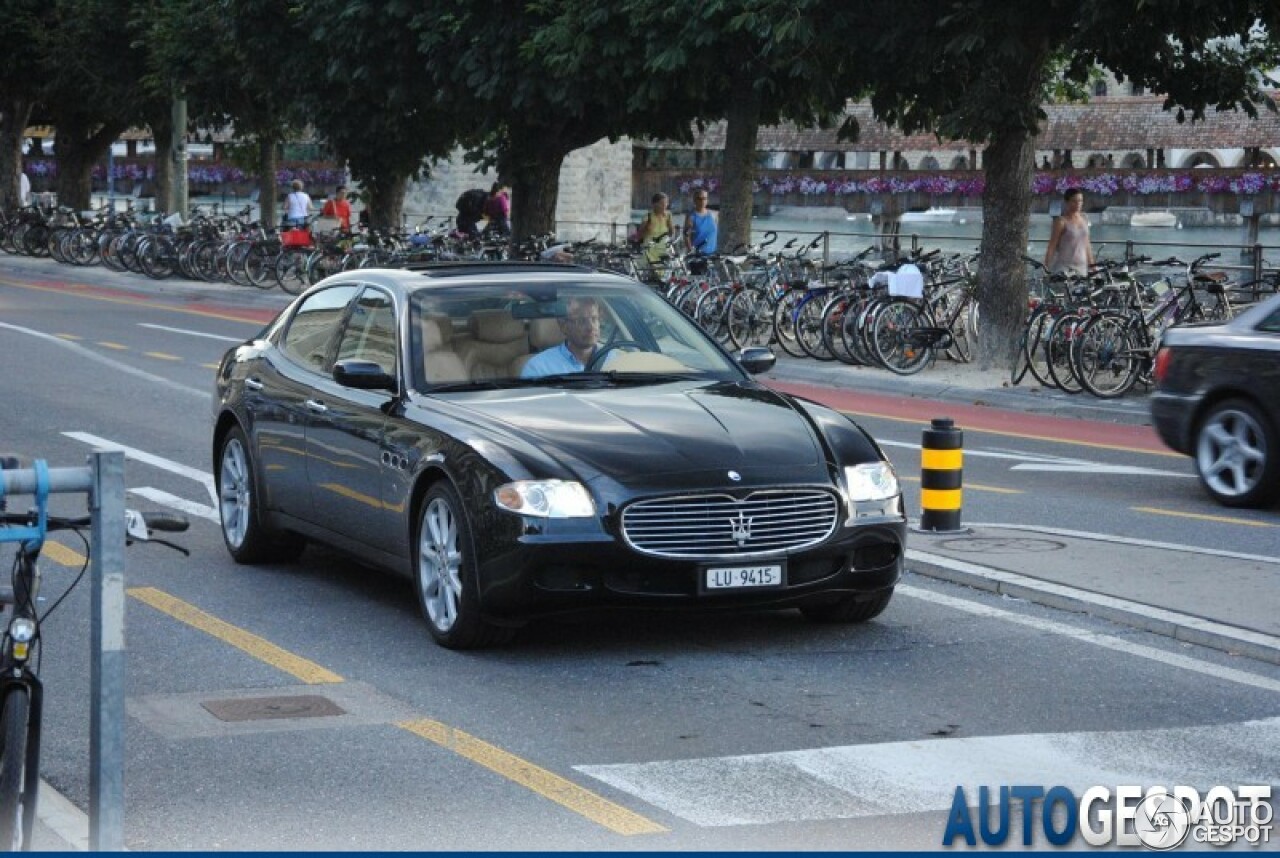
[[597, 359]]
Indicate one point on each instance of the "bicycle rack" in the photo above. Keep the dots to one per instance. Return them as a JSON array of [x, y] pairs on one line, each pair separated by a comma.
[[103, 481]]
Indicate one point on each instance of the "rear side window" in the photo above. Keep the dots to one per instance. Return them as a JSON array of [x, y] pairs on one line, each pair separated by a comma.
[[371, 331], [1271, 324], [313, 326]]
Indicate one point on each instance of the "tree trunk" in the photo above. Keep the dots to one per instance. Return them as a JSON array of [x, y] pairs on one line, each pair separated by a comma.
[[385, 202], [78, 150], [1008, 165], [14, 114], [535, 190], [737, 180], [267, 182], [162, 133]]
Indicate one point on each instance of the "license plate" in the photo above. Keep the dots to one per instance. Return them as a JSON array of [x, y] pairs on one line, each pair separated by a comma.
[[741, 577]]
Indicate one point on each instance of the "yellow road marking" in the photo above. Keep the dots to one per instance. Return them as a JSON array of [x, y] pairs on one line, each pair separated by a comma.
[[1224, 519], [209, 365], [977, 487], [261, 649], [1073, 441], [116, 346], [162, 356], [186, 311], [68, 337], [594, 807], [62, 554]]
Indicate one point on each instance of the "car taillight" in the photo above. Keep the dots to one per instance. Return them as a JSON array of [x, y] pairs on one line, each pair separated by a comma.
[[1163, 357]]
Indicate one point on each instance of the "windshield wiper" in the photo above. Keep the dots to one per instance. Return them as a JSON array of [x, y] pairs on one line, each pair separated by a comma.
[[612, 376], [452, 386]]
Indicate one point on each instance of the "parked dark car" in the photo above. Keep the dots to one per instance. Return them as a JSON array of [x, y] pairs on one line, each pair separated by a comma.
[[396, 415], [1217, 399]]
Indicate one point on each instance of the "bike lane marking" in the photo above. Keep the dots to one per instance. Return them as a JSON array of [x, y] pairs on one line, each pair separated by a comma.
[[991, 421], [134, 299], [1199, 516]]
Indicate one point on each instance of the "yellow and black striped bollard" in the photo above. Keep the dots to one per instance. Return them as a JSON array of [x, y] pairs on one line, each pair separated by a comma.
[[941, 470]]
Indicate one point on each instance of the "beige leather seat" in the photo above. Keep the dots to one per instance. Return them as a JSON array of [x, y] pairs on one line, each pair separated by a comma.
[[440, 362], [543, 334], [496, 340]]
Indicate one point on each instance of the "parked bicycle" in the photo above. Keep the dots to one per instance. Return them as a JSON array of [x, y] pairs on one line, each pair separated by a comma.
[[21, 691]]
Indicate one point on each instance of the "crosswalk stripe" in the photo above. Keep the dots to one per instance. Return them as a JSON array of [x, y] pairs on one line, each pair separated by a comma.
[[921, 776]]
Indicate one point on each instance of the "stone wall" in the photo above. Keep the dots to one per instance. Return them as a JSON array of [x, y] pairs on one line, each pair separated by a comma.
[[595, 191]]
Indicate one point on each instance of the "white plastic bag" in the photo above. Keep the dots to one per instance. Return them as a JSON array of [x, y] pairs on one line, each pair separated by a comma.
[[907, 282]]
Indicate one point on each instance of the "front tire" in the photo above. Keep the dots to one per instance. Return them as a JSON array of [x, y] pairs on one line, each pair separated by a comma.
[[445, 574], [14, 731], [1237, 455], [248, 540], [848, 609]]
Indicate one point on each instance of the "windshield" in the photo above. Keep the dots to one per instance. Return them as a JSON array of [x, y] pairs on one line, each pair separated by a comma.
[[555, 335]]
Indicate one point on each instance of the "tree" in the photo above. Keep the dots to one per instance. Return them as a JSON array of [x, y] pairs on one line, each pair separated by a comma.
[[370, 102], [19, 87], [979, 70], [752, 63]]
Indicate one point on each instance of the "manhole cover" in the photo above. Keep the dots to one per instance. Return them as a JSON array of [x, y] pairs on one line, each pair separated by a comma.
[[264, 708], [1001, 545]]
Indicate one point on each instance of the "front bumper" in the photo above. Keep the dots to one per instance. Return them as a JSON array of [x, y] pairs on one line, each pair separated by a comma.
[[544, 575]]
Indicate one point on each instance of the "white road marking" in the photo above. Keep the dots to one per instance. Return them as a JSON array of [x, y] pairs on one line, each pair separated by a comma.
[[218, 337], [180, 504], [202, 477], [921, 776], [114, 364], [1096, 468], [1107, 641]]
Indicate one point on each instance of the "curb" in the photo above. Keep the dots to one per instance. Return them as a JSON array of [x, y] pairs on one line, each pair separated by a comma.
[[1181, 627]]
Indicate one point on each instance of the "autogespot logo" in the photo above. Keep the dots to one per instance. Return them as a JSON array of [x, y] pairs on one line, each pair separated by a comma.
[[1157, 818]]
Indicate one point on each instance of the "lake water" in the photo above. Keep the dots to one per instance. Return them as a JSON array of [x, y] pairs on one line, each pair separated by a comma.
[[1109, 240]]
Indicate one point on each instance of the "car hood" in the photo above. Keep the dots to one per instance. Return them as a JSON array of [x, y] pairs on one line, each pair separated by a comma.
[[627, 431]]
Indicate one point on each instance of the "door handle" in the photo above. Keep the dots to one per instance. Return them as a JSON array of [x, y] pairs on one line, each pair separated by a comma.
[[252, 384], [317, 406]]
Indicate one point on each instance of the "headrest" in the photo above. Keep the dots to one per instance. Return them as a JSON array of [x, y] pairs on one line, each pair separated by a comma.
[[495, 326], [437, 333], [545, 333]]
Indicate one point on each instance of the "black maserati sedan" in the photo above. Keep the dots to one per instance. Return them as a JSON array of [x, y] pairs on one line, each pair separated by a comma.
[[1217, 399], [526, 439]]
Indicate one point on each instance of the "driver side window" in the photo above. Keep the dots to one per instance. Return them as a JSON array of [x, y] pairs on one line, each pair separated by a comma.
[[370, 333], [312, 328]]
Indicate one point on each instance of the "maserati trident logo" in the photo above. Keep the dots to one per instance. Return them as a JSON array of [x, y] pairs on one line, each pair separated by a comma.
[[735, 476], [740, 529]]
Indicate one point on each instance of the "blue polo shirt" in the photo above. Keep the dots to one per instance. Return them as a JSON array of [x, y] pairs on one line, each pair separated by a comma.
[[552, 361]]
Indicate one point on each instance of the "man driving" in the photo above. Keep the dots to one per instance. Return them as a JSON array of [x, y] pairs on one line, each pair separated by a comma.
[[581, 328]]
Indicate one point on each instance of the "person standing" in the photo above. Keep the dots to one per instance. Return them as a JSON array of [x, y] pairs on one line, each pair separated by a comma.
[[297, 206], [700, 228], [24, 188], [339, 207], [1069, 250], [656, 226]]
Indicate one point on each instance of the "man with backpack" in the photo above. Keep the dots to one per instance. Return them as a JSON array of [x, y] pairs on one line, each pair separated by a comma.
[[470, 206]]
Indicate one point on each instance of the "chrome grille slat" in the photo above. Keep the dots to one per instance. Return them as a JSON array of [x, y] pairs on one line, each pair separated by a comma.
[[719, 525]]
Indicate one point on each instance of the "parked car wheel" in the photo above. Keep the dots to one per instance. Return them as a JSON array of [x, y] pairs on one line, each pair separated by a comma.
[[1238, 455], [446, 576]]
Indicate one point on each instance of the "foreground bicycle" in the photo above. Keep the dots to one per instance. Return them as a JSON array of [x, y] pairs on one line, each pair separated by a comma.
[[21, 692]]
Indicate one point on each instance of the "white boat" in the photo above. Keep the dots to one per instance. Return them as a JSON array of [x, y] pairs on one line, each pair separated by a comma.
[[1160, 219], [934, 215]]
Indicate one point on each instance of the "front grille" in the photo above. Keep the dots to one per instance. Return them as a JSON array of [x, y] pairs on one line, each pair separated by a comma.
[[763, 522]]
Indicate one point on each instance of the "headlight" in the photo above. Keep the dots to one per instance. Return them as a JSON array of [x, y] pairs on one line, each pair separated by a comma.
[[546, 499], [22, 629], [872, 481]]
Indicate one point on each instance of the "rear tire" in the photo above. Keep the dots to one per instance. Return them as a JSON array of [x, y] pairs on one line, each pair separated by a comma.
[[1237, 455], [248, 540], [14, 731], [848, 609]]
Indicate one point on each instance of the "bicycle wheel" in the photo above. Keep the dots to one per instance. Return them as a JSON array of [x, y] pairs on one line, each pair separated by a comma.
[[1058, 352], [291, 270], [749, 319], [1037, 354], [260, 265], [711, 310], [784, 322], [892, 336], [809, 328], [1103, 356], [14, 731], [833, 316]]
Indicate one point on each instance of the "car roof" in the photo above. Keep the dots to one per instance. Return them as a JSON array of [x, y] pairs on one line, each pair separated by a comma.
[[495, 274]]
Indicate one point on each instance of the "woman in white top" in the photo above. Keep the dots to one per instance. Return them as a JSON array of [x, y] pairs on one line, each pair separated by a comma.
[[297, 206], [1069, 249]]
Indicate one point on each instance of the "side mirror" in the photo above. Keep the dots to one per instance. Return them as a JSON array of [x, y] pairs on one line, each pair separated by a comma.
[[363, 375], [757, 359]]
